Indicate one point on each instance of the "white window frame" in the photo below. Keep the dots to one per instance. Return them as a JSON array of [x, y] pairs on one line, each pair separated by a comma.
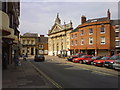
[[117, 26], [82, 41], [102, 42], [89, 31], [101, 30], [76, 42], [90, 39], [82, 32]]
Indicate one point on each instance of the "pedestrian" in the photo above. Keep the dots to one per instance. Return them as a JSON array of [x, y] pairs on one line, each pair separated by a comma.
[[24, 57], [16, 60]]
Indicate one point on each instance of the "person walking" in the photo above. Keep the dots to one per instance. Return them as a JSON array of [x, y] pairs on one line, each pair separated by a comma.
[[24, 57], [16, 60]]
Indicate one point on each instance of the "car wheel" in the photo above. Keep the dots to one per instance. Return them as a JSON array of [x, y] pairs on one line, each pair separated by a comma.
[[81, 62]]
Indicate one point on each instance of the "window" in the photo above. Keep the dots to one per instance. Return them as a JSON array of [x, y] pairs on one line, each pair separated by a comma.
[[117, 34], [72, 36], [67, 42], [41, 46], [72, 43], [117, 27], [82, 32], [102, 30], [76, 35], [117, 43], [82, 41], [28, 41], [23, 41], [90, 40], [75, 42], [32, 42], [90, 31], [102, 40]]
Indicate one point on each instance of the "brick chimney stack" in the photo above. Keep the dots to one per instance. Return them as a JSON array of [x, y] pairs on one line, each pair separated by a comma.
[[83, 19], [108, 14], [41, 35]]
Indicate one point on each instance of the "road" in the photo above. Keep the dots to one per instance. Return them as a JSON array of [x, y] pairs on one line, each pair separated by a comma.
[[68, 75]]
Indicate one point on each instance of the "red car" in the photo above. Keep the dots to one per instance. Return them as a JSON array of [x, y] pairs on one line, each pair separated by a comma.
[[70, 58], [80, 60], [109, 63], [101, 61], [89, 61]]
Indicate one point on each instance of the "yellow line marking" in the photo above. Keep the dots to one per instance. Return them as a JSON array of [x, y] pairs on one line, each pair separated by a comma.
[[52, 81]]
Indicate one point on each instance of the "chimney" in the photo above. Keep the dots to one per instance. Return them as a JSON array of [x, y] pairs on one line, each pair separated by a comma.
[[41, 35], [83, 19], [108, 14]]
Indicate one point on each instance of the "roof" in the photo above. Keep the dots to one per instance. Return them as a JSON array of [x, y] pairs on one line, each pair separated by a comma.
[[30, 35], [115, 22], [43, 39], [97, 19]]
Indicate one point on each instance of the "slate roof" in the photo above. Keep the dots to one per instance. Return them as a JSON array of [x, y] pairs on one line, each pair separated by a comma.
[[115, 22], [97, 19]]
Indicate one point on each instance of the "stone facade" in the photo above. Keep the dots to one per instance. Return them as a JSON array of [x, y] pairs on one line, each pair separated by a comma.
[[59, 38], [29, 44]]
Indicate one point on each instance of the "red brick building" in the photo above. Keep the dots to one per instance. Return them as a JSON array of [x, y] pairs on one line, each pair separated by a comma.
[[94, 36]]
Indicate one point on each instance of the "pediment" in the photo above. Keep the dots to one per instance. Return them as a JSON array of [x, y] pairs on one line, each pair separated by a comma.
[[56, 28]]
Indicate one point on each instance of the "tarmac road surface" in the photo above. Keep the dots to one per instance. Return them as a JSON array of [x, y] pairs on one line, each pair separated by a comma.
[[64, 75]]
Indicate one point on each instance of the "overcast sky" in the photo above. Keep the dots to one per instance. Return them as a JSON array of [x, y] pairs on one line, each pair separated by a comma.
[[39, 17]]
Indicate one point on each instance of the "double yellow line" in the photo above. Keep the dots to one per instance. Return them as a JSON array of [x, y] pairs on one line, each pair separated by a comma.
[[52, 81]]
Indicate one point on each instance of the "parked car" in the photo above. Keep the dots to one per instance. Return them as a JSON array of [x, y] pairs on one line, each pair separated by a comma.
[[70, 58], [101, 61], [116, 65], [89, 61], [80, 59], [109, 63], [39, 58]]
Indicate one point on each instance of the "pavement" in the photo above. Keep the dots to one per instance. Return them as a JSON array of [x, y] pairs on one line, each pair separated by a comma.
[[24, 76]]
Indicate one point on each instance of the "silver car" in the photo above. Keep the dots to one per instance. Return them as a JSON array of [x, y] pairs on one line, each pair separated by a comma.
[[116, 65]]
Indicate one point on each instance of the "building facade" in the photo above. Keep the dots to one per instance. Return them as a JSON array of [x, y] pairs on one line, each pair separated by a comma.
[[9, 23], [43, 45], [59, 38], [94, 36], [115, 24], [29, 44]]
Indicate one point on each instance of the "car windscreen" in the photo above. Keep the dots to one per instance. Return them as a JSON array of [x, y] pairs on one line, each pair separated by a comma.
[[94, 57], [40, 56], [115, 57], [104, 58], [82, 56]]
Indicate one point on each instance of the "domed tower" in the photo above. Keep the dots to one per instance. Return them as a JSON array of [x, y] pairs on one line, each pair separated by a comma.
[[58, 21]]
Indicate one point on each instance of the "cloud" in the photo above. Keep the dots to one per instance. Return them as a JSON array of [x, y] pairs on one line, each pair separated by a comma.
[[39, 17]]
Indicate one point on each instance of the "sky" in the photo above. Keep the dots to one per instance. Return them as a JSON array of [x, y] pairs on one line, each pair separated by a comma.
[[39, 16]]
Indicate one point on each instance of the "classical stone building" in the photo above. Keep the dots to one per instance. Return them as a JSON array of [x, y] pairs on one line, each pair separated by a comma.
[[43, 45], [9, 23], [29, 44], [96, 36], [59, 38]]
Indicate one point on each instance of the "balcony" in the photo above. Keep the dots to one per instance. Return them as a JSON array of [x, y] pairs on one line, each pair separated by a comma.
[[4, 24]]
